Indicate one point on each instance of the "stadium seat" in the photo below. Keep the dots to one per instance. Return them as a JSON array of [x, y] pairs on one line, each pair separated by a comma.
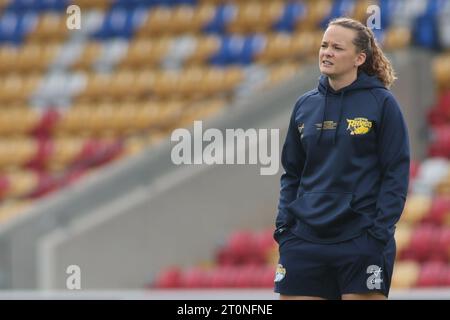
[[416, 208], [91, 4], [397, 38], [206, 47], [316, 11], [91, 52], [403, 235], [441, 71], [15, 152], [50, 27], [15, 26], [21, 183], [18, 89], [406, 274], [147, 52], [293, 12], [432, 274], [12, 208]]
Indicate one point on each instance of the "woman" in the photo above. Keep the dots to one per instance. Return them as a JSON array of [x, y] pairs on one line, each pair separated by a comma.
[[346, 159]]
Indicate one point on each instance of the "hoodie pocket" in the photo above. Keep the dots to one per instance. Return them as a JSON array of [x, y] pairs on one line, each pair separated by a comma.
[[329, 214]]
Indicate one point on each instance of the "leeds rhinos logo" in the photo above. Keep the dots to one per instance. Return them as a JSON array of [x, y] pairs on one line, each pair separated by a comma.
[[359, 126]]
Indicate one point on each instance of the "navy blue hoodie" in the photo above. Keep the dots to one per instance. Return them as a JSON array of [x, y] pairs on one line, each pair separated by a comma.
[[346, 159]]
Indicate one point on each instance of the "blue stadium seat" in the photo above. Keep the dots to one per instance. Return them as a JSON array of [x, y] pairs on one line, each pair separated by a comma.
[[386, 9], [339, 8], [293, 11], [121, 23], [224, 14], [230, 50], [53, 5], [238, 50], [23, 5], [252, 45], [434, 7], [15, 26], [38, 5], [425, 32]]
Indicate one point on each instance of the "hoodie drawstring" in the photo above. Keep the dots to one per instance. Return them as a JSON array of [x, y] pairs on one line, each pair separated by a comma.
[[319, 136], [339, 119]]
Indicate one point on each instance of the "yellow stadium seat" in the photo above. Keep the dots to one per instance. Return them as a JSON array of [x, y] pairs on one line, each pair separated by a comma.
[[146, 52], [123, 117], [15, 121], [101, 118], [441, 71], [443, 186], [147, 115], [157, 23], [233, 76], [50, 27], [255, 16], [248, 16], [135, 144], [316, 11], [85, 4], [170, 114], [190, 80], [360, 10], [17, 89], [272, 12], [166, 83], [16, 151], [201, 110], [281, 73], [403, 235], [36, 57], [212, 82], [203, 13], [3, 4], [65, 152], [120, 83], [145, 81], [76, 120], [397, 38], [182, 17], [406, 274], [8, 58], [11, 208], [206, 47], [98, 85], [90, 54], [21, 183], [306, 44], [215, 2], [416, 207], [277, 48]]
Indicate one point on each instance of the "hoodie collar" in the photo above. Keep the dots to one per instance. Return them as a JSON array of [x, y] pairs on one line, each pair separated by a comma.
[[363, 81]]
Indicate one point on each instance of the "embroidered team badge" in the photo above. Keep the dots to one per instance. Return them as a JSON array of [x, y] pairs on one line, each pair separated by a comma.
[[359, 126], [280, 273], [326, 125]]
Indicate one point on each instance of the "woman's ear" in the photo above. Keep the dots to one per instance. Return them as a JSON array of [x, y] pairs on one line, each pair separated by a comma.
[[360, 59]]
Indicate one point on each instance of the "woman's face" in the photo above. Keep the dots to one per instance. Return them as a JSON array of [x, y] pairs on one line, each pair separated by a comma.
[[338, 56]]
